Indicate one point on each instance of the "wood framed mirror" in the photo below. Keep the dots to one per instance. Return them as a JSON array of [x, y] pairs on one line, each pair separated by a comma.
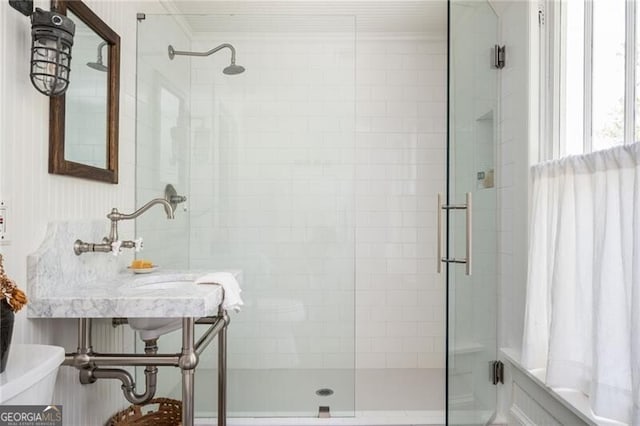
[[83, 122]]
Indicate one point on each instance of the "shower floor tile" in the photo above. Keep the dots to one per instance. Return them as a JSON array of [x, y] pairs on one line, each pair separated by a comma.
[[400, 389], [382, 396]]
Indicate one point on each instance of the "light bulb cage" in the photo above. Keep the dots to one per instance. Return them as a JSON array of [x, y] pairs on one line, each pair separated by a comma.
[[51, 43]]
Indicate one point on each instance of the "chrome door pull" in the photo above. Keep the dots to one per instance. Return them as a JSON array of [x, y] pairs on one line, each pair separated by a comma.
[[469, 233], [469, 241], [439, 238]]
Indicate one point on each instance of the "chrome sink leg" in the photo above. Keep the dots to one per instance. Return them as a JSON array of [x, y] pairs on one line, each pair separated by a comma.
[[84, 336], [93, 365], [188, 362], [222, 370]]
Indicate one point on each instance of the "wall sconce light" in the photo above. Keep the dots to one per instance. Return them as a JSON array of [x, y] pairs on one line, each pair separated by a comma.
[[23, 6], [51, 42]]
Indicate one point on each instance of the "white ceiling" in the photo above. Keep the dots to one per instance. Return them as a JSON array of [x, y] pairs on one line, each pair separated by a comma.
[[376, 16]]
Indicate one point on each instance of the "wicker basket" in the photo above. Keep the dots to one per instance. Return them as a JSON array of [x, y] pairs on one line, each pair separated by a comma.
[[168, 412]]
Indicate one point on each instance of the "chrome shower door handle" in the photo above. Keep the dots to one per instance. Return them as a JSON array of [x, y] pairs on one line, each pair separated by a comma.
[[439, 237], [469, 234]]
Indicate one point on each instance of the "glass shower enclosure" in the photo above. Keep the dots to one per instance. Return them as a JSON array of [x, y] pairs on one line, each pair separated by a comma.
[[471, 208], [268, 168]]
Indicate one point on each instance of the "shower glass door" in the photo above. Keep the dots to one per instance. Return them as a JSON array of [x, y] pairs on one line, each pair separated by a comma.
[[472, 212]]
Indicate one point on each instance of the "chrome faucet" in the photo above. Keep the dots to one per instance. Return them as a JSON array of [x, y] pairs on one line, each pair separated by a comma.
[[111, 243], [116, 216]]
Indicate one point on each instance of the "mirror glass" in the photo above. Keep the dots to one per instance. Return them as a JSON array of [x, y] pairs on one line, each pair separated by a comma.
[[83, 122], [86, 99]]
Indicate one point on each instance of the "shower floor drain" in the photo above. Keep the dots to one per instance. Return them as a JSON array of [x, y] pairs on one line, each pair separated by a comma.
[[324, 392]]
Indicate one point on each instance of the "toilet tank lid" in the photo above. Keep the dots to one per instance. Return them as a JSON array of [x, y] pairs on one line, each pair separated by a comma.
[[26, 366]]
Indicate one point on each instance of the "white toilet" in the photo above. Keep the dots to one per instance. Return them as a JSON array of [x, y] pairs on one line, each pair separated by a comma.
[[30, 375]]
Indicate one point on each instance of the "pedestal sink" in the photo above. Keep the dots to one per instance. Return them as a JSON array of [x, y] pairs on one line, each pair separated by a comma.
[[152, 328], [175, 284], [63, 285]]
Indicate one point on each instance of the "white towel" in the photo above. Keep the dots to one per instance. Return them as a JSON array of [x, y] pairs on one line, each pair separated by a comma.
[[232, 290]]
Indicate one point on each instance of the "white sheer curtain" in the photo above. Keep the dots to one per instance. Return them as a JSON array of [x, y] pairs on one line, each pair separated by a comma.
[[582, 320]]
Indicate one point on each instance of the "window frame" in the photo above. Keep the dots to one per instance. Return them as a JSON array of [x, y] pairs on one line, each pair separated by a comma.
[[552, 36]]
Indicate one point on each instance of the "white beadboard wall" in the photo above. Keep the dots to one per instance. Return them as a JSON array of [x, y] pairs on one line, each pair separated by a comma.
[[35, 197]]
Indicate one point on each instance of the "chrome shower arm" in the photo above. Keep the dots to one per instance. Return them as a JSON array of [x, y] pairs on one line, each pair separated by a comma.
[[173, 52], [100, 46]]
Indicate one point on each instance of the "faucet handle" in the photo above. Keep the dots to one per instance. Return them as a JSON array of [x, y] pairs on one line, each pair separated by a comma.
[[115, 247], [138, 244]]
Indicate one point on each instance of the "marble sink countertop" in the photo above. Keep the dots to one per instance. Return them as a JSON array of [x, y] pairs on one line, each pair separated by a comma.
[[98, 285], [133, 296]]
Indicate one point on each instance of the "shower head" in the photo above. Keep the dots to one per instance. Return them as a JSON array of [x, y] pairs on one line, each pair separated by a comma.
[[232, 69], [98, 65]]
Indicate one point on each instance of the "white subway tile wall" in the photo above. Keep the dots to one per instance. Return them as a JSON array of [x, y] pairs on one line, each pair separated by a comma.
[[316, 172], [273, 173], [400, 167]]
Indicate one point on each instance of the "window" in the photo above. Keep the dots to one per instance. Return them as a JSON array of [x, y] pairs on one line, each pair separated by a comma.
[[589, 75]]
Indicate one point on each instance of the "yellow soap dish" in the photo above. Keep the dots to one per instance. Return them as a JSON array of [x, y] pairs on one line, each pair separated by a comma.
[[143, 270]]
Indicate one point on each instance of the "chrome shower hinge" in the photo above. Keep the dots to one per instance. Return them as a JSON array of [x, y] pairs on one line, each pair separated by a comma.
[[499, 56], [497, 372]]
